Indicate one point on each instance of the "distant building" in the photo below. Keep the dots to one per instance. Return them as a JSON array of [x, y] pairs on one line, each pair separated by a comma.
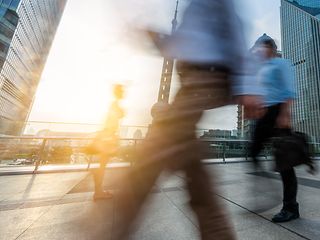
[[217, 133], [234, 133], [245, 127], [240, 121], [49, 133], [27, 29], [300, 28], [70, 138]]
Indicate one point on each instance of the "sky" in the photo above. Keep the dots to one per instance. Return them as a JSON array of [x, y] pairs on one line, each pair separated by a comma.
[[96, 46]]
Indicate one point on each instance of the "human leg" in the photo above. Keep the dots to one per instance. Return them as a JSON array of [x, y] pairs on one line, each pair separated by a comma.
[[290, 209], [132, 192], [201, 90], [212, 217], [264, 130], [98, 177]]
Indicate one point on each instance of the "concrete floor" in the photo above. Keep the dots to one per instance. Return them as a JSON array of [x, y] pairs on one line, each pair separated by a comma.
[[60, 206]]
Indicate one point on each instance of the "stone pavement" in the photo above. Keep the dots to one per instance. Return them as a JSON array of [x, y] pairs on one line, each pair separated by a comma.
[[60, 206]]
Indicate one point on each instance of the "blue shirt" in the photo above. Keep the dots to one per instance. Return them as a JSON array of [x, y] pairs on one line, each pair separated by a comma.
[[276, 80], [211, 32]]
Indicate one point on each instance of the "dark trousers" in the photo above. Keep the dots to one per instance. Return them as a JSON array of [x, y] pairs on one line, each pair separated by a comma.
[[265, 129], [172, 144]]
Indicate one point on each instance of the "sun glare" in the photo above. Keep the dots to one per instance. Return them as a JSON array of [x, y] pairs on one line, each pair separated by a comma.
[[76, 84]]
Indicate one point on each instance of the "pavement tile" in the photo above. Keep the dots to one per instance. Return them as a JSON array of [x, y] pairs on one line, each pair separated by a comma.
[[65, 210], [87, 220], [15, 222]]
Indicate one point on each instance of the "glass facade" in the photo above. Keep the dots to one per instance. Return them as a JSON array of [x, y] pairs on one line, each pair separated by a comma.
[[27, 28], [310, 6], [301, 44]]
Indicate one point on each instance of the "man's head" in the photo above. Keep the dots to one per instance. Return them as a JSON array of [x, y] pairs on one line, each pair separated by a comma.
[[118, 91], [266, 47]]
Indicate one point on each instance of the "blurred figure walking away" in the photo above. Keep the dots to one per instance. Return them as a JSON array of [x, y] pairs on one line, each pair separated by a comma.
[[209, 49], [106, 142], [277, 83]]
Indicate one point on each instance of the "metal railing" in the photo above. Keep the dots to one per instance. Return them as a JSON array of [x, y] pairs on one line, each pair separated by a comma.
[[73, 129], [37, 151], [40, 151]]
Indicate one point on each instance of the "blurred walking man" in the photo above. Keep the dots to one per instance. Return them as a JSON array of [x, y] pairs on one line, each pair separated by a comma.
[[209, 49], [277, 82]]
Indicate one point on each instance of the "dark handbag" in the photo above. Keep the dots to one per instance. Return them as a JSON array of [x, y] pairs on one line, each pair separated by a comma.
[[292, 149]]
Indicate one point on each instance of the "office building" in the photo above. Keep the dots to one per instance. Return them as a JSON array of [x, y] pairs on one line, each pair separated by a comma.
[[300, 29], [27, 29]]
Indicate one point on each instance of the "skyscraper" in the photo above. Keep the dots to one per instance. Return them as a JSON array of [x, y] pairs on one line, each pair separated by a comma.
[[27, 29], [240, 121], [300, 28], [167, 68], [245, 127], [310, 6]]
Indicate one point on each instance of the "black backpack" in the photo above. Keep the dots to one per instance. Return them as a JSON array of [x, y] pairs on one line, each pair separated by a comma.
[[292, 150]]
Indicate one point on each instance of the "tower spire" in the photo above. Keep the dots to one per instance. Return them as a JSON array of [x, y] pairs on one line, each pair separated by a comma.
[[174, 20], [167, 67]]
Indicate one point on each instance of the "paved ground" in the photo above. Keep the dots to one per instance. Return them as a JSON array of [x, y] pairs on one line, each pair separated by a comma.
[[59, 206]]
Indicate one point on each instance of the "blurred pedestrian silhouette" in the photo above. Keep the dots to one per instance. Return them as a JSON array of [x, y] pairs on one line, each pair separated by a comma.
[[106, 142], [276, 80], [209, 48]]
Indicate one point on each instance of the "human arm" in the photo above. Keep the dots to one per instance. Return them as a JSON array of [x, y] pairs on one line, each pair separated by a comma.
[[284, 118], [246, 89]]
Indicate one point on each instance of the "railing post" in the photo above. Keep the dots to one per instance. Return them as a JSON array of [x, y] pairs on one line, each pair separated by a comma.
[[224, 152], [89, 156], [135, 153], [266, 152], [40, 155], [247, 149], [89, 162]]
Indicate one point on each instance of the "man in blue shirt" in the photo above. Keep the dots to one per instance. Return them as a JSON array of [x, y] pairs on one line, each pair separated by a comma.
[[275, 77]]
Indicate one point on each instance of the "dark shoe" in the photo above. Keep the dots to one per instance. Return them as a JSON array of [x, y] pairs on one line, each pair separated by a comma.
[[285, 216]]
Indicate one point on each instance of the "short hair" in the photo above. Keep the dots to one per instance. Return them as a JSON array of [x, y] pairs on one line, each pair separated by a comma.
[[267, 40]]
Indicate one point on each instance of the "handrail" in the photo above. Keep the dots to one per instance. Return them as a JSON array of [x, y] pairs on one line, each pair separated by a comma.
[[223, 149], [55, 138], [138, 139]]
